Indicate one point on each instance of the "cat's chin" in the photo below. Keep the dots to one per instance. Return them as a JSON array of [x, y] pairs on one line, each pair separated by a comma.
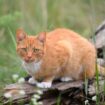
[[30, 61]]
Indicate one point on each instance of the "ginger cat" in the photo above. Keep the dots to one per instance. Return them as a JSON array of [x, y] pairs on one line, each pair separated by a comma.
[[61, 53]]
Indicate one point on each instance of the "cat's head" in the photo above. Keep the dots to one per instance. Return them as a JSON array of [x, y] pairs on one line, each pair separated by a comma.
[[30, 48]]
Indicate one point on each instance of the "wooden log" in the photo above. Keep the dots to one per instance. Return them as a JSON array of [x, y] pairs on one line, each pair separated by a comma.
[[99, 37], [68, 90], [30, 90], [101, 62]]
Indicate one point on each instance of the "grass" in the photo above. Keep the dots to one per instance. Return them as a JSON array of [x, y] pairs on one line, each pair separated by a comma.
[[13, 66], [97, 84], [35, 16], [59, 100]]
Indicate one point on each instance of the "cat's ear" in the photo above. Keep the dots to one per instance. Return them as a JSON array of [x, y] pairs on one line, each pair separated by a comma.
[[20, 35], [42, 37]]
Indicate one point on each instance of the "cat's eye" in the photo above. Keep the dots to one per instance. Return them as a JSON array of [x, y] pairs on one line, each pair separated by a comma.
[[24, 49], [36, 50]]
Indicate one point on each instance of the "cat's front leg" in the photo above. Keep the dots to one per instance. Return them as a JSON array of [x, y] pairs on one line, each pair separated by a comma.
[[46, 83], [32, 81]]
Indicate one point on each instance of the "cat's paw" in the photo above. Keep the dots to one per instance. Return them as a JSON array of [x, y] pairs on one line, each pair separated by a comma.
[[44, 84], [91, 90], [32, 81], [66, 79]]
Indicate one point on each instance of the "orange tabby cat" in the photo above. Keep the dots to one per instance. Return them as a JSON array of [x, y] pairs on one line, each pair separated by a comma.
[[61, 53]]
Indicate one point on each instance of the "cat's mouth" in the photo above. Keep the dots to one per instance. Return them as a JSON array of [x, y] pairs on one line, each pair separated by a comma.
[[29, 60]]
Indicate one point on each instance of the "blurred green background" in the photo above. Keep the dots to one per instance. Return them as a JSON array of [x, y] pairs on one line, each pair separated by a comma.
[[82, 16]]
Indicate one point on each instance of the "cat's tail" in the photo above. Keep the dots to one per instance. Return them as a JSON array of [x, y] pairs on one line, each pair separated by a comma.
[[101, 70]]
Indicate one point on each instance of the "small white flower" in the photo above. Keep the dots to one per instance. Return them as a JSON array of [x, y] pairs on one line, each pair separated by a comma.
[[40, 103], [15, 76], [36, 96], [86, 102], [22, 92], [40, 92], [94, 98], [8, 95], [21, 80], [34, 101]]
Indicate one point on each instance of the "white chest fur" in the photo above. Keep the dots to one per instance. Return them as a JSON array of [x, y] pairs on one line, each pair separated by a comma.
[[33, 67]]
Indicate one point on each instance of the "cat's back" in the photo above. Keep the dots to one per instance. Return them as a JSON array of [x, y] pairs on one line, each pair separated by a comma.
[[65, 34], [73, 39]]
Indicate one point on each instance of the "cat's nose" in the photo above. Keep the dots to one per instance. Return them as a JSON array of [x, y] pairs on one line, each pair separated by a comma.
[[29, 55]]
